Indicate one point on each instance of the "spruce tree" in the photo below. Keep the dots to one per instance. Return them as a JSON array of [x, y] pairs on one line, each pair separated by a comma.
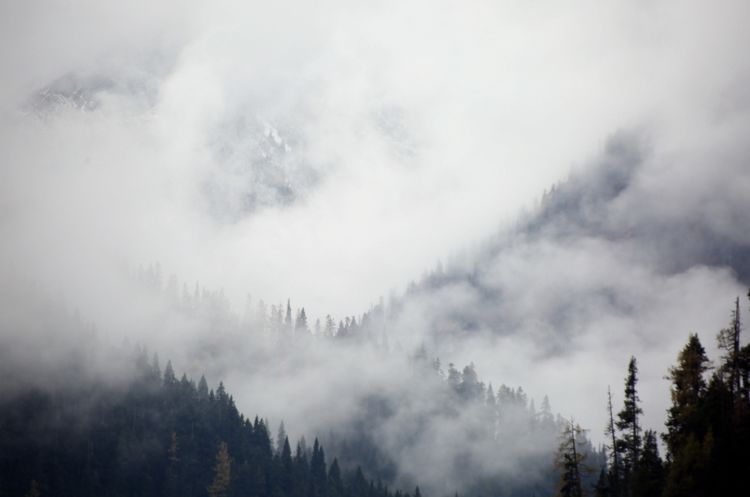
[[202, 388], [629, 425], [222, 473], [570, 462], [334, 480], [287, 467], [687, 438], [318, 470], [729, 343], [169, 377], [684, 417], [300, 324], [280, 437], [614, 475], [649, 475], [288, 317]]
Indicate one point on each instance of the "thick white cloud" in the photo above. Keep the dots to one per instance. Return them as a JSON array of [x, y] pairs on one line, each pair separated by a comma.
[[405, 132], [427, 124]]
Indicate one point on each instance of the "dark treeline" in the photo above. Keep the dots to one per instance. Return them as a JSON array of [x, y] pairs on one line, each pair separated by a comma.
[[158, 436], [502, 419], [707, 435], [491, 421]]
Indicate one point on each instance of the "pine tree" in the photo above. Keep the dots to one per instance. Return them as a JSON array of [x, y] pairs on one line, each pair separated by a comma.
[[334, 480], [649, 475], [330, 326], [262, 438], [684, 417], [744, 366], [287, 467], [300, 324], [729, 342], [545, 412], [222, 473], [358, 485], [726, 412], [280, 437], [155, 369], [288, 317], [688, 441], [318, 470], [570, 461], [202, 388], [614, 476], [301, 469], [169, 377], [628, 424]]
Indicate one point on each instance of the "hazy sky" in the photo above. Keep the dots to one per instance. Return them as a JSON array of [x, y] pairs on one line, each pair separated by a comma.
[[415, 129], [332, 151]]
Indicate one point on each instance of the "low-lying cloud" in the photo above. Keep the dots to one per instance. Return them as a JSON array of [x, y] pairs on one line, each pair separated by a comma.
[[332, 152]]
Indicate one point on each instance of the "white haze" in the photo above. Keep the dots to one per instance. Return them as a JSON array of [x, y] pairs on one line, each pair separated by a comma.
[[407, 132], [483, 108]]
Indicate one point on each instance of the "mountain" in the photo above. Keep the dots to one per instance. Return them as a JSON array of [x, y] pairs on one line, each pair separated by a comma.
[[598, 247]]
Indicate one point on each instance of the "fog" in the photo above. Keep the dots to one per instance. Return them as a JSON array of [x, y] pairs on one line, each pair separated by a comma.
[[332, 153]]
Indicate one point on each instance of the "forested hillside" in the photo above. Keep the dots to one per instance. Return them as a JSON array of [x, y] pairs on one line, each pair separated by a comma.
[[157, 435], [137, 430], [153, 434]]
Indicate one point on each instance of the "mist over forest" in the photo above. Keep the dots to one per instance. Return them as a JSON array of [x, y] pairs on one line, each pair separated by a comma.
[[374, 249]]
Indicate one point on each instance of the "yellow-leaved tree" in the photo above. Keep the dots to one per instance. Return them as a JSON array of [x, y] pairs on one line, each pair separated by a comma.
[[222, 473]]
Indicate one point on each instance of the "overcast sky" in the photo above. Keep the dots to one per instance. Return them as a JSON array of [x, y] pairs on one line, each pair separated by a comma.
[[414, 129]]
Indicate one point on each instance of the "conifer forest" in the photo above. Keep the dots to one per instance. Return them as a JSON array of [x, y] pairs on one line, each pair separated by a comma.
[[355, 248]]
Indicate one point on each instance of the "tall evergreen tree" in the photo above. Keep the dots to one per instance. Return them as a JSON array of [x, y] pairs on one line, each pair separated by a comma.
[[687, 438], [222, 473], [629, 425], [280, 437], [300, 324], [684, 417], [545, 413], [744, 365], [169, 376], [614, 476], [318, 470], [287, 467], [202, 388], [335, 483], [301, 469], [649, 475], [729, 343], [288, 317], [569, 461]]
